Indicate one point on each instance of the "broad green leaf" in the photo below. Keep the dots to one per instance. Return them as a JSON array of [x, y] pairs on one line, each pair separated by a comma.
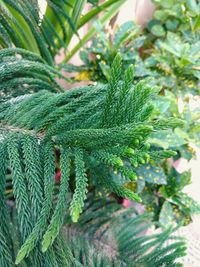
[[160, 15], [105, 69], [175, 183], [171, 24], [161, 105], [140, 184], [192, 5], [166, 216], [167, 3], [158, 30], [126, 31], [151, 174], [167, 139], [196, 25], [187, 203]]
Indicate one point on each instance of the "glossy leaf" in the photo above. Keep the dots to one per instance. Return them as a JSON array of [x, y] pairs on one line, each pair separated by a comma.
[[151, 174]]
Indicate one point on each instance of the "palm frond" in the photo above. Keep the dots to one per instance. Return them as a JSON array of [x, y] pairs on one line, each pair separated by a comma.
[[26, 26], [112, 236]]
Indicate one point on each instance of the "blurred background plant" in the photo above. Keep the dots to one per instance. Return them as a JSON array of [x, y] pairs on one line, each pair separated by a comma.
[[48, 26]]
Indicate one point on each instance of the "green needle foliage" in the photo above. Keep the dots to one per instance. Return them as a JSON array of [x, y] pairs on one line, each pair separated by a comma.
[[91, 133], [57, 218], [81, 186], [36, 73]]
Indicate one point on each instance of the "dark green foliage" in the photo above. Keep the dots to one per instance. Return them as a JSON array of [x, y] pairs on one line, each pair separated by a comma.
[[33, 170], [79, 195], [36, 74], [19, 187], [95, 136], [21, 22], [40, 226], [5, 251], [103, 221], [152, 174], [56, 220], [88, 152], [57, 217]]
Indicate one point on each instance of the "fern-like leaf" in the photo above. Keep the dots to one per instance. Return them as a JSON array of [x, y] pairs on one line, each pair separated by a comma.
[[79, 196], [57, 218], [19, 188]]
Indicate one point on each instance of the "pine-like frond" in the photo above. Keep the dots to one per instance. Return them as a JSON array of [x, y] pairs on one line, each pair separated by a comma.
[[5, 251], [5, 240], [20, 189], [33, 173], [73, 110], [24, 72], [40, 226], [107, 115], [79, 195], [46, 130], [58, 215]]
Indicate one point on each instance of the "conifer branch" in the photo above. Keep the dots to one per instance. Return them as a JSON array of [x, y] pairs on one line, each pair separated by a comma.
[[58, 215], [103, 128], [49, 173], [112, 89], [79, 195], [19, 188], [33, 173]]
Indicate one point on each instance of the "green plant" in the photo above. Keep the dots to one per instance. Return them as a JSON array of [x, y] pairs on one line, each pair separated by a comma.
[[94, 136], [180, 17], [171, 53], [98, 57], [167, 51], [123, 222], [92, 133], [25, 25]]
